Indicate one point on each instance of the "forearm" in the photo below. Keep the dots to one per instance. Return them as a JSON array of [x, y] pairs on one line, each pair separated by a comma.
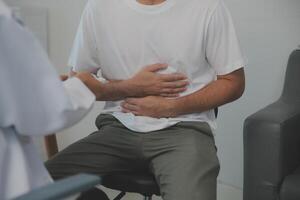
[[111, 90], [105, 91], [225, 89], [114, 91], [214, 95], [146, 82], [217, 93]]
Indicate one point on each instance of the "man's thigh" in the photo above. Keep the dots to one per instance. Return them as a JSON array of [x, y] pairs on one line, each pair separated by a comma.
[[111, 149], [184, 161]]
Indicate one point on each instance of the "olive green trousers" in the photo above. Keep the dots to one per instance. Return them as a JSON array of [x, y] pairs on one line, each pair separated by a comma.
[[183, 157]]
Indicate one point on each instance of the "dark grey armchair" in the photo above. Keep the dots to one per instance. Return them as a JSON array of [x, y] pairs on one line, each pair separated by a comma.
[[272, 144]]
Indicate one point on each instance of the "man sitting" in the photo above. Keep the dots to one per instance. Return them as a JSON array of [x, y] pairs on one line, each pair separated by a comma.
[[154, 119]]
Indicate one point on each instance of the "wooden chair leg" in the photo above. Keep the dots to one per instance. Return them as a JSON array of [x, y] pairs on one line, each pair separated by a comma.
[[51, 145]]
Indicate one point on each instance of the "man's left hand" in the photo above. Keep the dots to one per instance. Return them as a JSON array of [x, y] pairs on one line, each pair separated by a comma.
[[151, 106]]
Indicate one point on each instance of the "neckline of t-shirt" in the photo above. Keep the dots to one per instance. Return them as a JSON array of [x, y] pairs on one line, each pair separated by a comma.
[[150, 9]]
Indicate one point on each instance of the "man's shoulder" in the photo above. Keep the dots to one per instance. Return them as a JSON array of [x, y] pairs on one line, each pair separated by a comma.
[[209, 6]]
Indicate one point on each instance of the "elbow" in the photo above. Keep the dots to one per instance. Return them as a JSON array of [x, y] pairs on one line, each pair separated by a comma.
[[240, 84], [237, 90], [240, 91], [235, 84]]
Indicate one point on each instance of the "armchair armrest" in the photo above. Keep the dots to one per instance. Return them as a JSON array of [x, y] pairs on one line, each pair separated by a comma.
[[271, 149], [63, 188]]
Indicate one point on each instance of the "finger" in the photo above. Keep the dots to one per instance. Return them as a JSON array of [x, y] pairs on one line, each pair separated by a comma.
[[133, 101], [156, 67], [177, 84], [124, 110], [170, 95], [130, 107], [173, 77], [173, 91]]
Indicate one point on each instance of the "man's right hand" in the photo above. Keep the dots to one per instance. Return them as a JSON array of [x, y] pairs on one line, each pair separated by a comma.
[[148, 82]]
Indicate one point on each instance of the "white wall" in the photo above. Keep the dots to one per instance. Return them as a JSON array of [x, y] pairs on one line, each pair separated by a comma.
[[268, 30], [63, 18]]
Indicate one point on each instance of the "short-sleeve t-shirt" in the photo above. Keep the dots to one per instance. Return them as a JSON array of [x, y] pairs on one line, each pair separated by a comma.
[[120, 37]]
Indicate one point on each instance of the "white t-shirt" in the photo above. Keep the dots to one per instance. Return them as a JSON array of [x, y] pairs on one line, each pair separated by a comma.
[[195, 37]]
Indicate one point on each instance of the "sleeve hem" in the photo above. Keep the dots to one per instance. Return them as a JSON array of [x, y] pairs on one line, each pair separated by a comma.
[[231, 67]]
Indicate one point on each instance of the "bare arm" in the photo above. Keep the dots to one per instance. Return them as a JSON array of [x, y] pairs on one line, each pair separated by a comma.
[[225, 89], [146, 82]]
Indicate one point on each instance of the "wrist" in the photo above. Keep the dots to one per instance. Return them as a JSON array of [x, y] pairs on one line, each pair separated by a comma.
[[129, 88], [83, 77], [172, 108]]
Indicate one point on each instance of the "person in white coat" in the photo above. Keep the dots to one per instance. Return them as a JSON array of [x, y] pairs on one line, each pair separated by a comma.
[[33, 102]]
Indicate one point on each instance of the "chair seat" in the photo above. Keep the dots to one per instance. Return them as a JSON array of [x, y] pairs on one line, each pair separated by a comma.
[[290, 187], [144, 184]]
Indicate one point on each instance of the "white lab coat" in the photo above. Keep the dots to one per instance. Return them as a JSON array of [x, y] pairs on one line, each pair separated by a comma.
[[33, 102]]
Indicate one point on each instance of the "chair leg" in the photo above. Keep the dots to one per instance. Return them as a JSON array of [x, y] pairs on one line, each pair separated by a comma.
[[147, 197], [120, 196]]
